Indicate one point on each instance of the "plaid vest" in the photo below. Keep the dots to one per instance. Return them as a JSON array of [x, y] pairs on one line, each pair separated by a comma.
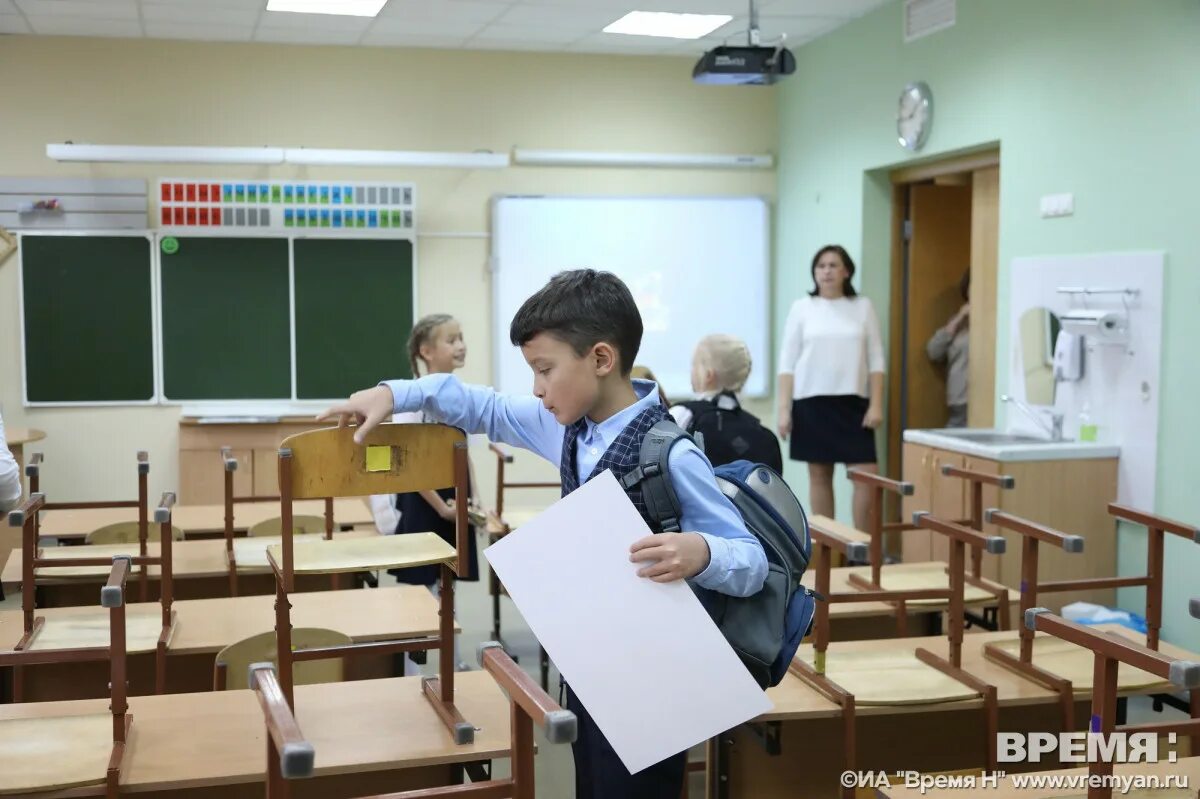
[[621, 456]]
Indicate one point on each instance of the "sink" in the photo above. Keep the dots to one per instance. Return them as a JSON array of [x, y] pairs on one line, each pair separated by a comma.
[[992, 437], [1003, 446]]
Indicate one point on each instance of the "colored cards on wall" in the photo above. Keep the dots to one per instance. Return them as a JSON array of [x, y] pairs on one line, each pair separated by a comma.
[[284, 205]]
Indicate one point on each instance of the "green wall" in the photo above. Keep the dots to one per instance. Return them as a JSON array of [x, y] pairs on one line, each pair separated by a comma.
[[1100, 98]]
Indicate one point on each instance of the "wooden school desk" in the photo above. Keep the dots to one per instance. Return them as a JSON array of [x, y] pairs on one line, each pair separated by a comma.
[[370, 736], [200, 571], [805, 729], [203, 627], [1186, 767], [198, 521], [862, 621]]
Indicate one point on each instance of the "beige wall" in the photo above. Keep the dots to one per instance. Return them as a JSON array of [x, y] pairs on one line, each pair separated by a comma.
[[150, 92]]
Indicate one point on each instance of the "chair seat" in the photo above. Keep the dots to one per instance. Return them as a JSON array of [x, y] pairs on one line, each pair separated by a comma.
[[250, 554], [106, 551], [1074, 663], [920, 576], [889, 678], [143, 625], [56, 753], [365, 554], [840, 529]]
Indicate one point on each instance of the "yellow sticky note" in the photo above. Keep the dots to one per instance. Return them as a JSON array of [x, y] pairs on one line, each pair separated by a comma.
[[379, 459]]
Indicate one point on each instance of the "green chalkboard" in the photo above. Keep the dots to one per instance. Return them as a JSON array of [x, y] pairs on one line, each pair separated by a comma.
[[87, 305], [354, 310], [226, 326]]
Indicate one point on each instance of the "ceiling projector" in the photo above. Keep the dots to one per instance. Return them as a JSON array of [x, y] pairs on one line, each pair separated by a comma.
[[744, 64]]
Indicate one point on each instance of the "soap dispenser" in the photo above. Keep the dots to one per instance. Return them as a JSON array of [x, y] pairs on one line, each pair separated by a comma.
[[1088, 429]]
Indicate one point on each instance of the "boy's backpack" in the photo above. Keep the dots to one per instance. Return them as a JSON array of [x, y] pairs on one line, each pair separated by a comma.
[[731, 433], [765, 629]]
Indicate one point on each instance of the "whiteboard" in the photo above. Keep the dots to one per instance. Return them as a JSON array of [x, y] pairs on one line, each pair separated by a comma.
[[695, 265]]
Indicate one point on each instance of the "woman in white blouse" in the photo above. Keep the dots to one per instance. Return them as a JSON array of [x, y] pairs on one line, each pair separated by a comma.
[[831, 381], [10, 477]]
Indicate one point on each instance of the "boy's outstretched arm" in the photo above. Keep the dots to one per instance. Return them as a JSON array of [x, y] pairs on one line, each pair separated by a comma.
[[519, 421]]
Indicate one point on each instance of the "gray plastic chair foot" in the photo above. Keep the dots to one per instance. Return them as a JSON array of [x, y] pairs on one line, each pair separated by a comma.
[[296, 760], [1185, 674], [1031, 617], [483, 647], [464, 733], [562, 727]]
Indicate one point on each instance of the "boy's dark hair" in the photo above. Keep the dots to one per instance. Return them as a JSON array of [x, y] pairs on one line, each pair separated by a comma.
[[582, 307]]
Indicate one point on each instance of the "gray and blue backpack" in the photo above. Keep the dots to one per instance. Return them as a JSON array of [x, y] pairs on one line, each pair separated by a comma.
[[764, 629]]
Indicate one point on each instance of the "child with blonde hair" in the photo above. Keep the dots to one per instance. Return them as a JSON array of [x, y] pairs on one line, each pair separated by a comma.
[[720, 368]]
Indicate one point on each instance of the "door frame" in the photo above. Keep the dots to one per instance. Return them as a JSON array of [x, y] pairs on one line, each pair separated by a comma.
[[900, 179]]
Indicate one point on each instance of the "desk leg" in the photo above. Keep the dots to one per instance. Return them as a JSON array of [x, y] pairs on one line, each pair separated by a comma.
[[494, 590], [716, 773]]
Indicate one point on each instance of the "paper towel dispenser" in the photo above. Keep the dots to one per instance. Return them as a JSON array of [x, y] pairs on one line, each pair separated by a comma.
[[1103, 327]]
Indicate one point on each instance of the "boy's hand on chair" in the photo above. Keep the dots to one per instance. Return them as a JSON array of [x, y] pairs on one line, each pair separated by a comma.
[[670, 556], [365, 408]]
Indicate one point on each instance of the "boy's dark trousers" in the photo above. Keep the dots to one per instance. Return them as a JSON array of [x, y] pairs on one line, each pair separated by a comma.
[[600, 774]]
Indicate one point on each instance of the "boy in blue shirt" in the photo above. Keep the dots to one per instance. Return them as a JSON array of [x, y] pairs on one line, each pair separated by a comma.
[[580, 335]]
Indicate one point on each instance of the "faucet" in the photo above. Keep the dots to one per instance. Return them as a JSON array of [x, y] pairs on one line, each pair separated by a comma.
[[1054, 429]]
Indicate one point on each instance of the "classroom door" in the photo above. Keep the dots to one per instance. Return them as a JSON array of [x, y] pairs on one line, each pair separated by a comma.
[[939, 252]]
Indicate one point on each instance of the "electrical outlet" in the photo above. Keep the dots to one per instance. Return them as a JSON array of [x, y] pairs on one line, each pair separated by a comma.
[[1058, 205]]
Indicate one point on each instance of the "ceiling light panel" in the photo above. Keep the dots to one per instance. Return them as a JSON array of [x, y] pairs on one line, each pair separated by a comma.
[[668, 25]]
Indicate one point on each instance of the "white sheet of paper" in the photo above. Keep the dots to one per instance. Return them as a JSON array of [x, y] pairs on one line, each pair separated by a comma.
[[643, 657]]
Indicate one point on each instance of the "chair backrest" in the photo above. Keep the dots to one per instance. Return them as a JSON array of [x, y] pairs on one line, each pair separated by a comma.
[[395, 459], [127, 533], [301, 525], [235, 659]]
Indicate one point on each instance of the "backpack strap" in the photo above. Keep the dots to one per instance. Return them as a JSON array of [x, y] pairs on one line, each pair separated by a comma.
[[654, 477]]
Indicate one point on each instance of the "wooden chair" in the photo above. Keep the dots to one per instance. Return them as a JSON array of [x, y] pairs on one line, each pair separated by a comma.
[[1032, 534], [229, 465], [124, 533], [815, 674], [396, 458], [231, 668], [1109, 651], [290, 756], [78, 750], [33, 471], [33, 558], [499, 523], [880, 485]]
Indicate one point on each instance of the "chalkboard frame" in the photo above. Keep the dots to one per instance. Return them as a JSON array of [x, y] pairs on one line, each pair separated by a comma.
[[151, 261], [154, 243], [233, 405]]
